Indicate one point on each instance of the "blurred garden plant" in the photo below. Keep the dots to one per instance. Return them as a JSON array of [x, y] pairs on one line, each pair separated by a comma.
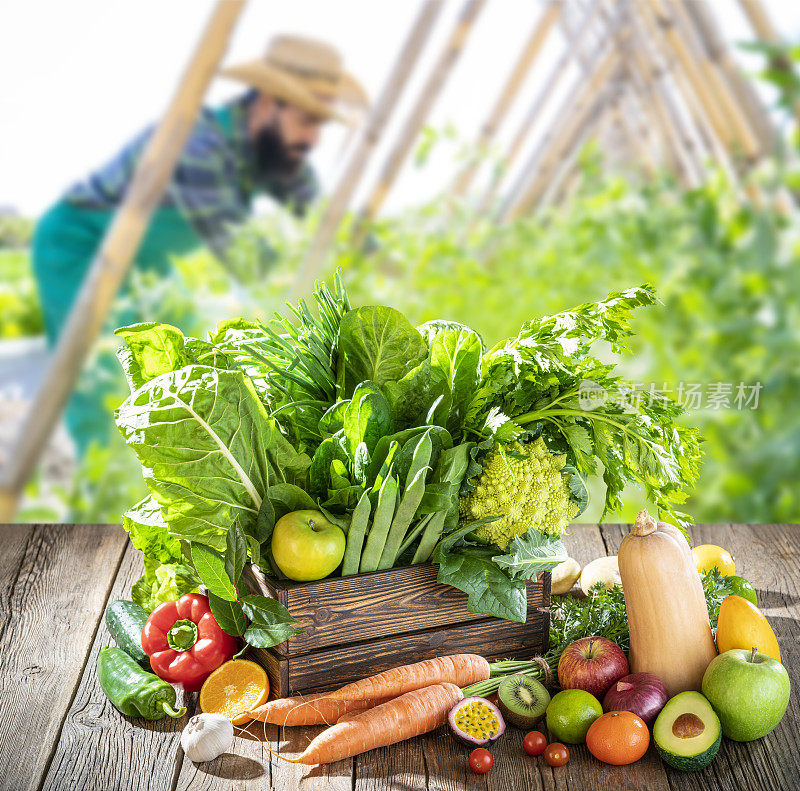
[[727, 274]]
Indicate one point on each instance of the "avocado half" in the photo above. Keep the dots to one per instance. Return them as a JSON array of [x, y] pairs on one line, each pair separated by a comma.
[[687, 732]]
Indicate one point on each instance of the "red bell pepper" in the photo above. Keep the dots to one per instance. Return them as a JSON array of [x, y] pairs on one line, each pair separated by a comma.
[[184, 641]]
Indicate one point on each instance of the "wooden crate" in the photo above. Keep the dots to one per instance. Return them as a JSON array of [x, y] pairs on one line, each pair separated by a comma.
[[360, 625]]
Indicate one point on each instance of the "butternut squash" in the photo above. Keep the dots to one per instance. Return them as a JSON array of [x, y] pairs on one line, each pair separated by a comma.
[[667, 614]]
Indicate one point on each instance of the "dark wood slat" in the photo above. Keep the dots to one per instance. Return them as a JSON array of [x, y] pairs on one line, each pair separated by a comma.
[[326, 669], [768, 556], [53, 607], [101, 748], [374, 605]]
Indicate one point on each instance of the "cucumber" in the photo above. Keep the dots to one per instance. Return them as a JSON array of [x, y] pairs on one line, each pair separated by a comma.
[[125, 621]]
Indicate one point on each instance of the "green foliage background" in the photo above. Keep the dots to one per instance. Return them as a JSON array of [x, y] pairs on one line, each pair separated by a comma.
[[727, 272]]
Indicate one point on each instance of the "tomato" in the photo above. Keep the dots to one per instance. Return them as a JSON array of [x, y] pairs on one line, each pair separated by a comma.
[[480, 761], [618, 737], [534, 743], [556, 754]]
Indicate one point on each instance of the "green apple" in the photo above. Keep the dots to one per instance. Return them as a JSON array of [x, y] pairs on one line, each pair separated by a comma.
[[306, 546], [748, 691]]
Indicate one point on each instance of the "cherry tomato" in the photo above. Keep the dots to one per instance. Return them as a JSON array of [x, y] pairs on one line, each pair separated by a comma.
[[480, 761], [556, 754], [534, 743]]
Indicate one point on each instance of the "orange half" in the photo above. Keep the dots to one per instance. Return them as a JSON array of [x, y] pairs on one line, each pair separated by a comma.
[[233, 689]]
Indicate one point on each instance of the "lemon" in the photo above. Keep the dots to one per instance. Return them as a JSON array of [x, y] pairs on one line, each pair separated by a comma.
[[707, 556]]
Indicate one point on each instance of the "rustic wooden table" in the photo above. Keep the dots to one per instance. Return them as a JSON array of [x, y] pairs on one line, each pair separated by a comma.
[[58, 731]]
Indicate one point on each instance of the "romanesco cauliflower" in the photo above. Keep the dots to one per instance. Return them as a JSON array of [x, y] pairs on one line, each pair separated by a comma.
[[525, 484]]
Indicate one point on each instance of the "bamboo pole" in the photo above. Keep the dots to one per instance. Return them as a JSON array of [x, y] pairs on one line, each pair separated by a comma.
[[636, 137], [743, 131], [715, 146], [569, 175], [711, 103], [718, 51], [419, 113], [119, 245], [760, 21], [373, 130], [686, 116], [530, 182], [648, 74], [513, 84], [595, 123], [765, 29], [536, 108]]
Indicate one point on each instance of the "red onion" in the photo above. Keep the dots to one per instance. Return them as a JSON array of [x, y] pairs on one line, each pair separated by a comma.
[[642, 693]]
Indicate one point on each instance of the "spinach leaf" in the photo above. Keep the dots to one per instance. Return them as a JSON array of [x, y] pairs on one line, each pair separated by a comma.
[[286, 498], [211, 568], [367, 418], [235, 553], [377, 344], [228, 614], [489, 589], [270, 622], [456, 353]]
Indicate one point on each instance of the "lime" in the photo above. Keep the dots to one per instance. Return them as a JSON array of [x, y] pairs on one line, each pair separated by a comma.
[[570, 714], [739, 586]]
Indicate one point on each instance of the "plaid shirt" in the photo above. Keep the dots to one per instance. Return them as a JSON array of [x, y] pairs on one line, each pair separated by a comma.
[[214, 181]]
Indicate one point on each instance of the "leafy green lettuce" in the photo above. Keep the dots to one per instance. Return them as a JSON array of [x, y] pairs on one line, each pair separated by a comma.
[[166, 576]]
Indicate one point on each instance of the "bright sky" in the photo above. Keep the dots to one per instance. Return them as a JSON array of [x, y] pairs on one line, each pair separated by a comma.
[[79, 78]]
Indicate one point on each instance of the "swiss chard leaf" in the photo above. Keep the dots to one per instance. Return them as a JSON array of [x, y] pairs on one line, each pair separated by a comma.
[[208, 449], [152, 349]]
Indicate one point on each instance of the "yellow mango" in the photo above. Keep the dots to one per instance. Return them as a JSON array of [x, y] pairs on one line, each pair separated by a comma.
[[742, 625], [706, 556]]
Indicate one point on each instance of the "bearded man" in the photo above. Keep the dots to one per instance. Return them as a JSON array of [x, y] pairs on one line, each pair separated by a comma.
[[256, 144]]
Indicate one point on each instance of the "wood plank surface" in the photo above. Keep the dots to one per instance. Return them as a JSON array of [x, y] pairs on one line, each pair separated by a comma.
[[102, 749], [82, 742], [769, 557], [56, 579]]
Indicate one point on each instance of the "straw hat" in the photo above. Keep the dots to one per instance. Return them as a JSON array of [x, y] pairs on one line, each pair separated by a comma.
[[304, 72]]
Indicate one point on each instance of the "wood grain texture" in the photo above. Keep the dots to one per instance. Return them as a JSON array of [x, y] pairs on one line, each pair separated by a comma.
[[51, 608], [377, 604], [768, 556], [100, 748], [332, 668]]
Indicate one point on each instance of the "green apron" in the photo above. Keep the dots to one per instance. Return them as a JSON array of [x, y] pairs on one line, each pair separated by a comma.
[[64, 244]]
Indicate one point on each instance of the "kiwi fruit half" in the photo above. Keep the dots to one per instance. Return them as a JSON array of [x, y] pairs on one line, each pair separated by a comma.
[[523, 700]]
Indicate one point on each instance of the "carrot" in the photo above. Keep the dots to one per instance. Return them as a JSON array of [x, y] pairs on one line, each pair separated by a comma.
[[318, 709], [459, 669], [411, 714]]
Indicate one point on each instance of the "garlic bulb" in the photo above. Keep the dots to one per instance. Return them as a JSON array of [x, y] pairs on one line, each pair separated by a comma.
[[206, 737]]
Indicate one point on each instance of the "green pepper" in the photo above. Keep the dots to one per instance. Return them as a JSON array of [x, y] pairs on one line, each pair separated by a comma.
[[133, 690]]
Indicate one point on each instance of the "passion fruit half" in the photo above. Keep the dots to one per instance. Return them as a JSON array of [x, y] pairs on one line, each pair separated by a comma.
[[476, 721]]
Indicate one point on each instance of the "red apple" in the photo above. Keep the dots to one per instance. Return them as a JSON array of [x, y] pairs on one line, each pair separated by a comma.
[[592, 664]]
